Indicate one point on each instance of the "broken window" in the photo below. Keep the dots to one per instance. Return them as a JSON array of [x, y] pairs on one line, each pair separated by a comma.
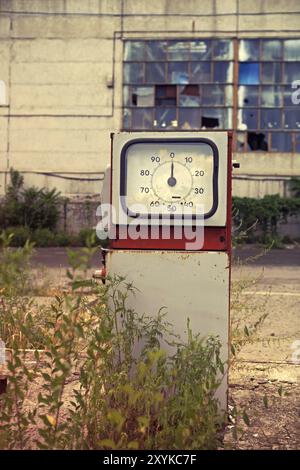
[[139, 96], [215, 118], [165, 95], [189, 95], [257, 141], [189, 84]]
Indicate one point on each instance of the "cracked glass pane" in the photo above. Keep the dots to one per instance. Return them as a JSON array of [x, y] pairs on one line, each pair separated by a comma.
[[155, 72], [156, 50], [200, 72], [165, 118], [178, 72], [189, 95], [134, 73], [223, 49]]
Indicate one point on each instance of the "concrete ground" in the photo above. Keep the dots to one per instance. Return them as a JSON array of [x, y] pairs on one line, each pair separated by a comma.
[[264, 380]]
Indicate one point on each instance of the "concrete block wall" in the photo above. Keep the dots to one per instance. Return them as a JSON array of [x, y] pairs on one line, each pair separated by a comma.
[[61, 62]]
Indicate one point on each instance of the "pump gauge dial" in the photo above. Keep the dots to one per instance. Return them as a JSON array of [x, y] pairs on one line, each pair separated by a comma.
[[162, 177]]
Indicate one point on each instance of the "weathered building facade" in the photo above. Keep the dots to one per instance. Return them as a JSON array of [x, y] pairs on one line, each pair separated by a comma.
[[73, 71]]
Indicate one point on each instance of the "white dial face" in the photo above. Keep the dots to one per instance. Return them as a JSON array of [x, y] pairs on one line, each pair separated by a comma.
[[170, 177]]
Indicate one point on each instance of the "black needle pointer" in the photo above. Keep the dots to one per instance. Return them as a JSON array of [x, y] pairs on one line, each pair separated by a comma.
[[172, 181]]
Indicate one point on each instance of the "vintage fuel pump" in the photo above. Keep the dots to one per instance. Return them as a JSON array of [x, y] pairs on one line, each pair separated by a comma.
[[171, 187]]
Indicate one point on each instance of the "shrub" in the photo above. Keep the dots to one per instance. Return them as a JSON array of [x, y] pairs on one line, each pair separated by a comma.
[[19, 235], [87, 234], [63, 239], [258, 219], [43, 237], [31, 207], [123, 399]]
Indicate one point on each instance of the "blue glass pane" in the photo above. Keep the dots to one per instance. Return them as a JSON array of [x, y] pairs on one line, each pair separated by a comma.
[[281, 142], [247, 119], [189, 119], [249, 73], [223, 72], [270, 118]]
